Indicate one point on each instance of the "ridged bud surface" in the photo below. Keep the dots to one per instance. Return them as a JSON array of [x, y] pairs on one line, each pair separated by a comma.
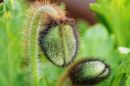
[[88, 72], [59, 42]]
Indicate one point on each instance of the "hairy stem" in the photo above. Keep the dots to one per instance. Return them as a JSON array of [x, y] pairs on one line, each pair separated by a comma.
[[33, 42]]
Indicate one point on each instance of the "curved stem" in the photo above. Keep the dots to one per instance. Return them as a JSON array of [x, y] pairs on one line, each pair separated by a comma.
[[34, 50], [33, 41]]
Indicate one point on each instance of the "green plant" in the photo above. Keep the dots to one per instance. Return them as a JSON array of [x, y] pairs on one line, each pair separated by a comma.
[[11, 18], [117, 20], [25, 44], [114, 14], [49, 29], [86, 72], [56, 35]]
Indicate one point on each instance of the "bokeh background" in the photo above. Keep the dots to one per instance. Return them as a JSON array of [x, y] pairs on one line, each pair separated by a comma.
[[105, 36]]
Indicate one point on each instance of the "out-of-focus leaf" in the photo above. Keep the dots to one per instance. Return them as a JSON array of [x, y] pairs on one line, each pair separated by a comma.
[[82, 26], [51, 73], [121, 72], [1, 9], [96, 41], [124, 66], [128, 80], [10, 45], [115, 15]]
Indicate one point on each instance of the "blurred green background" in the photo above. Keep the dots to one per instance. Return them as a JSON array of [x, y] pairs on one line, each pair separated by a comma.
[[108, 39]]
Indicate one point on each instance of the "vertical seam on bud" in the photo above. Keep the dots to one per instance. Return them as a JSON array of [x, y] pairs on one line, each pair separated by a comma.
[[48, 27]]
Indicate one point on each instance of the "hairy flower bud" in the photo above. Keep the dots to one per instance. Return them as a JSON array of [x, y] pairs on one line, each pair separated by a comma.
[[88, 72], [59, 41]]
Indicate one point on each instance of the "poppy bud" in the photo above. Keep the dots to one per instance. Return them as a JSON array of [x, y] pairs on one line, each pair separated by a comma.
[[59, 41], [88, 72]]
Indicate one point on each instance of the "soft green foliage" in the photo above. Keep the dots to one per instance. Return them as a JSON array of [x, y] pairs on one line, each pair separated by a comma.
[[94, 41], [115, 14], [100, 40], [11, 17]]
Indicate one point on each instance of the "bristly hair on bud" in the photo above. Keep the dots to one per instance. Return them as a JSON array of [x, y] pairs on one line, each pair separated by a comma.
[[47, 29], [59, 41], [88, 72]]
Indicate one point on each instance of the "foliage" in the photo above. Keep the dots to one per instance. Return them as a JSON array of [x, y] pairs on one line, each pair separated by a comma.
[[114, 14], [101, 40], [11, 18]]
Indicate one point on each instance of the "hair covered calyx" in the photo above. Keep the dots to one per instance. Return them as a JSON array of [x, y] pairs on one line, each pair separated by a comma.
[[89, 72]]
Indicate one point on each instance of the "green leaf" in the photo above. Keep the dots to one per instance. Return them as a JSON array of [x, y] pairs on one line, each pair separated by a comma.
[[1, 9], [10, 47], [82, 26], [118, 18], [50, 74], [96, 42], [128, 80]]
